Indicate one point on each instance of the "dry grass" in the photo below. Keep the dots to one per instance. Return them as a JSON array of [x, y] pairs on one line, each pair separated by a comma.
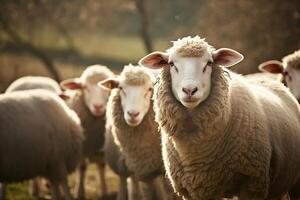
[[21, 190]]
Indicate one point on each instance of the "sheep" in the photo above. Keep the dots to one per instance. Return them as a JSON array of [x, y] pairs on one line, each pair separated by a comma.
[[223, 135], [130, 119], [34, 82], [89, 102], [35, 148], [288, 70], [29, 83]]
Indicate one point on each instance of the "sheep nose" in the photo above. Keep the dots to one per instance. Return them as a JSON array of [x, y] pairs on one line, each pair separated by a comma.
[[98, 107], [190, 91], [133, 114]]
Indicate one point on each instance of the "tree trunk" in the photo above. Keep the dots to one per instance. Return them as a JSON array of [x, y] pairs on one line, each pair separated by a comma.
[[141, 8], [30, 48]]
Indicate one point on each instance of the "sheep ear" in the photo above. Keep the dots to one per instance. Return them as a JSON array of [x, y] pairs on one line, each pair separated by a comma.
[[71, 84], [155, 60], [227, 57], [109, 84], [272, 66], [63, 96]]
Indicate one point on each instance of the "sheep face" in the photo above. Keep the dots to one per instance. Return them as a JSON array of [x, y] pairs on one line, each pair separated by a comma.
[[135, 94], [191, 68], [290, 74], [95, 97]]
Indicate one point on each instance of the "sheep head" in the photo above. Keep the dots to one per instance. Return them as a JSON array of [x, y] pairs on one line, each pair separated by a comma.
[[190, 61], [95, 97], [135, 89]]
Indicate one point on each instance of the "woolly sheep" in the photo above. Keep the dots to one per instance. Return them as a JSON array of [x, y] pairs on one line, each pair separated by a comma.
[[51, 149], [288, 70], [131, 120], [34, 82], [89, 102], [221, 134], [29, 83]]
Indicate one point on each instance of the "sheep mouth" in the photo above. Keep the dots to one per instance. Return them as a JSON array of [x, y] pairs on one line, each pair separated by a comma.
[[132, 122], [190, 100]]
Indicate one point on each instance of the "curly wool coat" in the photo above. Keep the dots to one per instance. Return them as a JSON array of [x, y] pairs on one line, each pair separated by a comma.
[[139, 145], [239, 141]]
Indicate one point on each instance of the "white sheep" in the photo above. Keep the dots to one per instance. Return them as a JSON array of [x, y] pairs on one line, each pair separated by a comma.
[[130, 119], [41, 136], [89, 102], [223, 135], [288, 70]]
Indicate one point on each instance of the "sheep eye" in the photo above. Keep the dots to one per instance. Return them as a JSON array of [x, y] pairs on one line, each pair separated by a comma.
[[150, 89], [173, 65], [209, 63], [286, 74], [120, 88]]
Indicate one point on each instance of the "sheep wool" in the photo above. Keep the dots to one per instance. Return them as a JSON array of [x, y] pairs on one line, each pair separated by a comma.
[[292, 60], [94, 128], [237, 142], [42, 137]]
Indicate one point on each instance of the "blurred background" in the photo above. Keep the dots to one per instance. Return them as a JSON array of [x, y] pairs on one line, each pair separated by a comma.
[[59, 38]]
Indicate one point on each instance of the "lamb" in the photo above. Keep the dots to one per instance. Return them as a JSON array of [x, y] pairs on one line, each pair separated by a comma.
[[130, 119], [34, 82], [35, 148], [223, 135], [288, 70], [89, 102]]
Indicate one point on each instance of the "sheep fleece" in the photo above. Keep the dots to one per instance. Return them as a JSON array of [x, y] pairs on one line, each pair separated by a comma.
[[243, 140], [40, 136]]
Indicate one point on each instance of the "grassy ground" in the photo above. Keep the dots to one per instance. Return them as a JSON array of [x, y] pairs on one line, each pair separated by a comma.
[[20, 191]]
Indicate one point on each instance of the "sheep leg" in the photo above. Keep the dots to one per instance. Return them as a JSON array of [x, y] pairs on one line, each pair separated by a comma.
[[80, 183], [101, 169], [55, 193], [66, 189], [2, 192], [147, 190], [134, 190], [159, 188], [35, 187], [122, 193]]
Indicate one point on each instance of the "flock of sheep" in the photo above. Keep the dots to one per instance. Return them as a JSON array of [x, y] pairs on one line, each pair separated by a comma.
[[187, 128]]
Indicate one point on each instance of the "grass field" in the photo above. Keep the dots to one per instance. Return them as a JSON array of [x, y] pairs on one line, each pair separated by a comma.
[[20, 191]]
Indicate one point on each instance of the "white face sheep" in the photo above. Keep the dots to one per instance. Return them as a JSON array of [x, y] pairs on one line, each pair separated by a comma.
[[136, 91], [130, 121], [289, 69], [191, 68], [241, 139], [89, 102], [95, 97]]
